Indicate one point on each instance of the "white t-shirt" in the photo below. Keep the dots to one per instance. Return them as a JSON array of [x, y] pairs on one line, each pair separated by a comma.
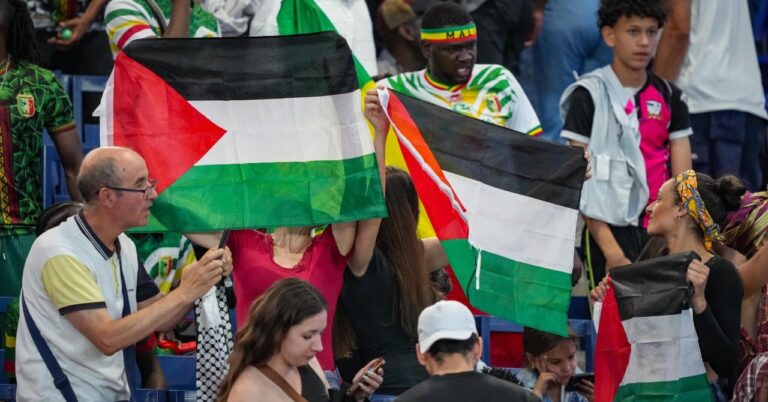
[[720, 71], [68, 269]]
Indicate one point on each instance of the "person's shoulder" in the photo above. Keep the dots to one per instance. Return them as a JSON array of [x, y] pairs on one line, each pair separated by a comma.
[[421, 392], [502, 389], [483, 74], [117, 5], [40, 73], [252, 385], [399, 81]]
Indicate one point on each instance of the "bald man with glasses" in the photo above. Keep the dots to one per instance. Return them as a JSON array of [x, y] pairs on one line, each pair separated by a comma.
[[86, 299]]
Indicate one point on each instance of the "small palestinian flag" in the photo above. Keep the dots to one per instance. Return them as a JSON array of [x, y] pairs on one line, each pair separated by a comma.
[[503, 204], [647, 348], [246, 132]]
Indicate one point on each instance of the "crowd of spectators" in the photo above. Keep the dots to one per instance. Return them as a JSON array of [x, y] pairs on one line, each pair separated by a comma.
[[665, 97]]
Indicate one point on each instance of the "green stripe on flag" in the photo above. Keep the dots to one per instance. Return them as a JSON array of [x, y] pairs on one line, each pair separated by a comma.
[[270, 195], [688, 389], [523, 293], [298, 17]]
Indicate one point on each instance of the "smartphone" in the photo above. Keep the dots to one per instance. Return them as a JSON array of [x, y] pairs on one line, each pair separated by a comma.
[[377, 364], [576, 379]]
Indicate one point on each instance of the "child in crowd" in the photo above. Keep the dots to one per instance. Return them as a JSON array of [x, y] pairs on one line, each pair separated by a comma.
[[551, 364], [635, 126]]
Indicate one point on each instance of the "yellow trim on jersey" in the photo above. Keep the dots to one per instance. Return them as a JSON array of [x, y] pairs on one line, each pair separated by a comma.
[[68, 282], [535, 131]]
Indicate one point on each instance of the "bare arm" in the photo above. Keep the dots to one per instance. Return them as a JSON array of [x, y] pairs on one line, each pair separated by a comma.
[[71, 153], [364, 238], [111, 336], [673, 45], [754, 272], [178, 26], [79, 25], [680, 155], [614, 255], [205, 239]]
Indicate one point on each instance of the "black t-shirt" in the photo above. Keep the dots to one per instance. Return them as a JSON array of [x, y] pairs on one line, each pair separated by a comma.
[[370, 302], [718, 326], [581, 109], [467, 386]]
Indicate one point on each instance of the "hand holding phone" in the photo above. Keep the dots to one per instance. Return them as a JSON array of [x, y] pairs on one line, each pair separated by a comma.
[[377, 364], [577, 378]]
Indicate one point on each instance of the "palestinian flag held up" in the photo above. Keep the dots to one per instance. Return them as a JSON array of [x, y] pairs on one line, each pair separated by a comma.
[[503, 204], [246, 132], [647, 348]]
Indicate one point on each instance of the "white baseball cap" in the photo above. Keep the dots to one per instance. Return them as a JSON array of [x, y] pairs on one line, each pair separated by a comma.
[[446, 319]]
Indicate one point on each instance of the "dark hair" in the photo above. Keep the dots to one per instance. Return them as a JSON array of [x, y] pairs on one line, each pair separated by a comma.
[[56, 214], [19, 29], [445, 14], [403, 251], [538, 342], [611, 10], [443, 347], [719, 196], [104, 172], [285, 304], [404, 254]]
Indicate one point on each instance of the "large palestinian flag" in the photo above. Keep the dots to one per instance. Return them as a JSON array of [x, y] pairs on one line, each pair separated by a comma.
[[246, 132], [647, 348], [503, 204]]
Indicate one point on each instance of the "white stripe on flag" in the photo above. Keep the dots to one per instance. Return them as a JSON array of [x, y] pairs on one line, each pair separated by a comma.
[[287, 130], [517, 227], [664, 348]]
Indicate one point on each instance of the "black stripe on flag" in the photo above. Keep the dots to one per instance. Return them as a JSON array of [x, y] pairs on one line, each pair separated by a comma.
[[653, 287], [251, 67], [500, 157]]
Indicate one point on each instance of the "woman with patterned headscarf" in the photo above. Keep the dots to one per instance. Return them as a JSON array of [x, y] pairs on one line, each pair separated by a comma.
[[688, 214], [746, 232]]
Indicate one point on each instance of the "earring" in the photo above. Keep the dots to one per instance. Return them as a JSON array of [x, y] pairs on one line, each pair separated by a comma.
[[677, 218]]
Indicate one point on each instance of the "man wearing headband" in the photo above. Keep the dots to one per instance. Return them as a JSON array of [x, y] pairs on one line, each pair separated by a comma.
[[453, 80]]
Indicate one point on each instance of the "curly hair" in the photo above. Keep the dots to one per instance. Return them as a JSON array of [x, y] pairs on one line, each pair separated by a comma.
[[611, 10]]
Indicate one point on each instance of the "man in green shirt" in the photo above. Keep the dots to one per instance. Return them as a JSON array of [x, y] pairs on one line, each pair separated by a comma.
[[30, 100]]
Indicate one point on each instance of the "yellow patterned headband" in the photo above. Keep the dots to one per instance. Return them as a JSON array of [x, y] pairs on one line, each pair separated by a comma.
[[687, 187], [452, 34]]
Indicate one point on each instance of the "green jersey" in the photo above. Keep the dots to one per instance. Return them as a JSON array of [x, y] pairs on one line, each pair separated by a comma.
[[31, 99]]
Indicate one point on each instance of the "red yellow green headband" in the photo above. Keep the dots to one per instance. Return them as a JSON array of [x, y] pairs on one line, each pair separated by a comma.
[[450, 34]]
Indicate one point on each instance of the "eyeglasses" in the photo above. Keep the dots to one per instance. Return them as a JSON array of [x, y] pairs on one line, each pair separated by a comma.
[[152, 186]]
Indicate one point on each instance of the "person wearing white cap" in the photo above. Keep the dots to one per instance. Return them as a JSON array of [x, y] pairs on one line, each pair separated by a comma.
[[449, 348]]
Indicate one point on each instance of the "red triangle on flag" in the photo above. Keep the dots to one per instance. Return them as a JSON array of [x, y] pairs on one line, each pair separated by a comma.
[[151, 117], [611, 351]]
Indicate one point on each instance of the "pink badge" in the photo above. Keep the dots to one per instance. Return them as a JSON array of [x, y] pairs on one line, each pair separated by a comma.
[[629, 107]]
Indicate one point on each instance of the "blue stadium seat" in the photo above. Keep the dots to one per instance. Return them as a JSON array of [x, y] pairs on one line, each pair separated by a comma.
[[80, 85], [579, 308], [179, 371]]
